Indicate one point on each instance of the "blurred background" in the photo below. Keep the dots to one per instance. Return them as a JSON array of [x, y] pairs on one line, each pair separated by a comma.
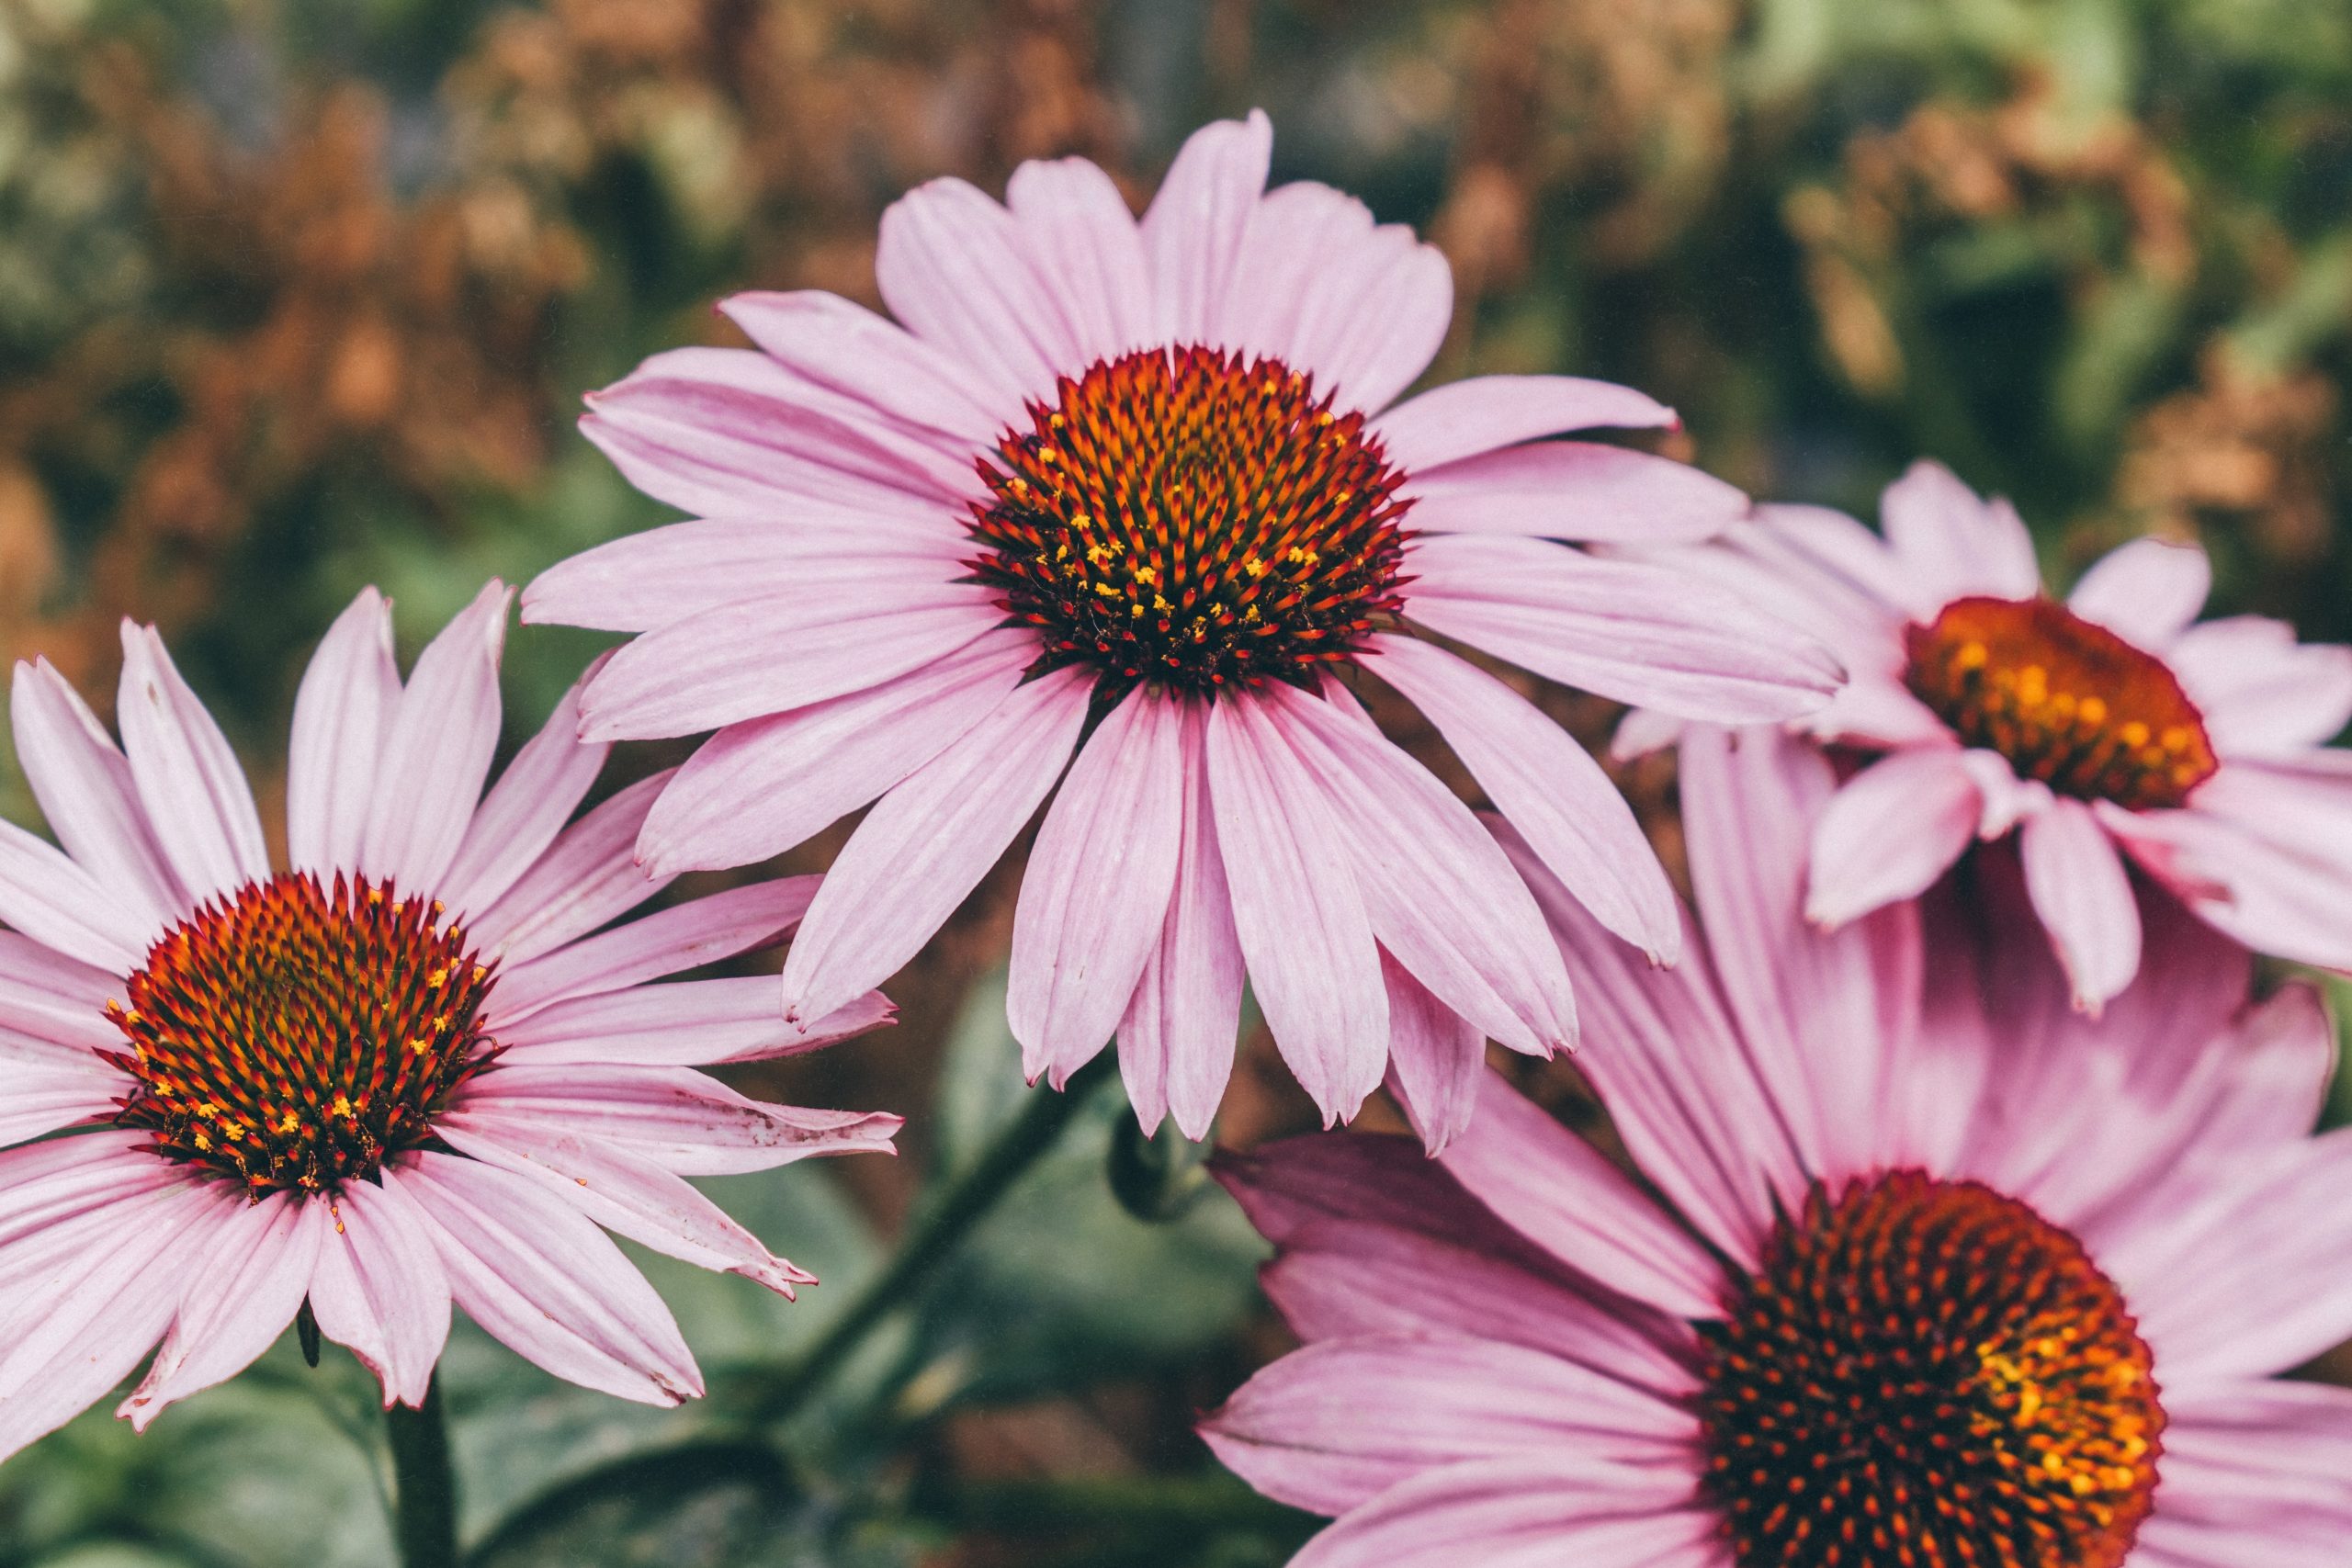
[[300, 295]]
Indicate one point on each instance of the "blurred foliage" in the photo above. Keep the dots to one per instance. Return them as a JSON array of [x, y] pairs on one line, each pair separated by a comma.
[[297, 295]]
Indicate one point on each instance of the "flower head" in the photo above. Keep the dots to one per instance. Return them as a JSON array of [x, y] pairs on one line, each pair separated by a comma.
[[1141, 491], [2112, 727], [1927, 1268], [420, 1066]]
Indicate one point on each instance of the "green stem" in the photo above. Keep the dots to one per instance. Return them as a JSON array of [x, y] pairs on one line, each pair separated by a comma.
[[936, 1234], [425, 1487]]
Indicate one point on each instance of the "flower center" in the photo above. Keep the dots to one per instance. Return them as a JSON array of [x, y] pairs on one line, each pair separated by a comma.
[[1185, 517], [1928, 1374], [296, 1039], [2066, 702]]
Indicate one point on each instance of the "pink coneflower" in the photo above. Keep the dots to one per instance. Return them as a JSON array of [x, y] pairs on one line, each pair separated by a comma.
[[2112, 720], [1139, 486], [1937, 1272], [400, 1074]]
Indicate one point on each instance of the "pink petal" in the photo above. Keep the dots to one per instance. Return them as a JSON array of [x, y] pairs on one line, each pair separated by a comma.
[[1441, 895], [928, 843], [1679, 1082], [1887, 835], [437, 752], [526, 807], [47, 1186], [1485, 414], [726, 433], [2260, 688], [1379, 316], [1518, 1162], [342, 715], [1951, 543], [243, 1290], [540, 1277], [1542, 1509], [1575, 489], [82, 783], [2145, 591], [588, 876], [2256, 1279], [625, 1193], [58, 905], [1298, 910], [668, 941], [47, 997], [2085, 900], [1548, 786], [768, 656], [1830, 1020], [1176, 1041], [689, 1022], [953, 266], [685, 1122], [2264, 854], [380, 1288], [195, 793], [1192, 232], [644, 582], [2261, 1465], [758, 789], [1340, 1279], [860, 355], [1083, 239], [1286, 241], [39, 1099], [1094, 896], [1328, 1428], [1436, 1059], [79, 1330], [1640, 633]]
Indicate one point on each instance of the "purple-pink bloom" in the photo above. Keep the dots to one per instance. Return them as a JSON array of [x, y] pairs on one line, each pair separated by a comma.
[[1136, 490], [1927, 1268], [419, 1066], [2114, 721]]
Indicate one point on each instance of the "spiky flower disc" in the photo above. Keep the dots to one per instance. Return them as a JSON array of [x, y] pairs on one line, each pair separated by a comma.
[[294, 1038]]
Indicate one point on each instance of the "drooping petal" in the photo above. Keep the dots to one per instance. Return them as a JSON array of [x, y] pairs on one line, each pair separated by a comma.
[[241, 1293], [437, 752], [1485, 414], [1575, 489], [1951, 543], [928, 843], [1094, 896], [756, 789], [1298, 910], [1442, 896], [342, 715], [1328, 1428], [690, 1022], [195, 793], [1626, 629], [1176, 1041], [625, 1193], [539, 1276], [2083, 897], [83, 782], [1436, 1059], [768, 656], [1192, 232], [1547, 786], [529, 806], [1893, 830], [687, 1122], [380, 1288], [2146, 591]]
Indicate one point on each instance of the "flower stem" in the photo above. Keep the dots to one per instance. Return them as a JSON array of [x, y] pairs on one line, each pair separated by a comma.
[[425, 1488], [936, 1234]]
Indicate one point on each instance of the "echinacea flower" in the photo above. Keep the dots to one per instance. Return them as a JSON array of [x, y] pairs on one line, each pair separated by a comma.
[[1928, 1269], [2113, 720], [1132, 491], [410, 1069]]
